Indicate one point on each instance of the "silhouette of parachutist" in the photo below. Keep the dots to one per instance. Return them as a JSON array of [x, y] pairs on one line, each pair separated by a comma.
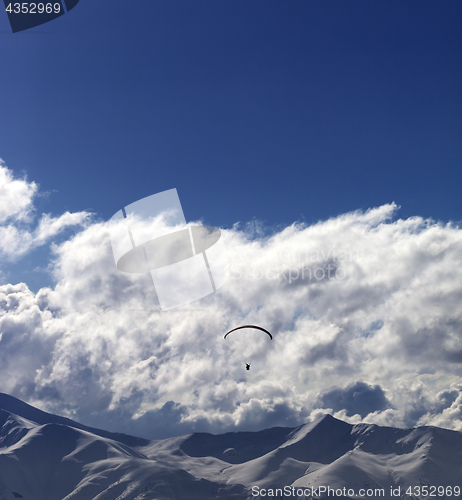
[[247, 366]]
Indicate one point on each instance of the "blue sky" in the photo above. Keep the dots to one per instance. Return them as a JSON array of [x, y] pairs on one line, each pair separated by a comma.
[[274, 111]]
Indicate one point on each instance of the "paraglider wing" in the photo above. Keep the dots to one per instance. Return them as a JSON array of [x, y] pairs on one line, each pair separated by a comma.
[[250, 326]]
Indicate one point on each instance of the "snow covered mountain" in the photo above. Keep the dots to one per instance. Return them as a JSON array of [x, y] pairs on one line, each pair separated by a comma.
[[46, 457]]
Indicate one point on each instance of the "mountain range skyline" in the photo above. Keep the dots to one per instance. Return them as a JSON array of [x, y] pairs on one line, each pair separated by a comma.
[[44, 456]]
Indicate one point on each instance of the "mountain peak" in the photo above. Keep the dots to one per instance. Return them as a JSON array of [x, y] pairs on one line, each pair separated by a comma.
[[64, 460], [24, 410]]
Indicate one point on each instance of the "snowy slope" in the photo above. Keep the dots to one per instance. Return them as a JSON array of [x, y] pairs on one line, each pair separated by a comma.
[[13, 405], [43, 456]]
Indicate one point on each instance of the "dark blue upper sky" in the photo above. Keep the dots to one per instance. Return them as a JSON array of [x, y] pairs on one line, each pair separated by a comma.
[[279, 110]]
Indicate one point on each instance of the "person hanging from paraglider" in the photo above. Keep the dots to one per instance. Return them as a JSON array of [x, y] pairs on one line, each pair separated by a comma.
[[247, 365]]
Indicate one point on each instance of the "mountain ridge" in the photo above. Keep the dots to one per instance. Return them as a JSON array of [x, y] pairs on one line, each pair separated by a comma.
[[24, 410], [47, 457]]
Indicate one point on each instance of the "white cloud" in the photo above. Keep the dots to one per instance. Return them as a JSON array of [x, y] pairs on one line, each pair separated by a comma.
[[16, 195], [17, 236], [358, 299]]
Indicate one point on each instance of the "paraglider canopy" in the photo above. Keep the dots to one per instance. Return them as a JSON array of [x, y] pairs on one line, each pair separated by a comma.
[[249, 326], [255, 327]]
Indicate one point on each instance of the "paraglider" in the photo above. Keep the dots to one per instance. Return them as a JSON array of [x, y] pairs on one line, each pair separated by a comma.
[[247, 365], [250, 326]]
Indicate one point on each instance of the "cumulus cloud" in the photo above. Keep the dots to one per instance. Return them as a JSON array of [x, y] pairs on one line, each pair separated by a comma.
[[359, 398], [16, 195], [364, 309], [17, 217]]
